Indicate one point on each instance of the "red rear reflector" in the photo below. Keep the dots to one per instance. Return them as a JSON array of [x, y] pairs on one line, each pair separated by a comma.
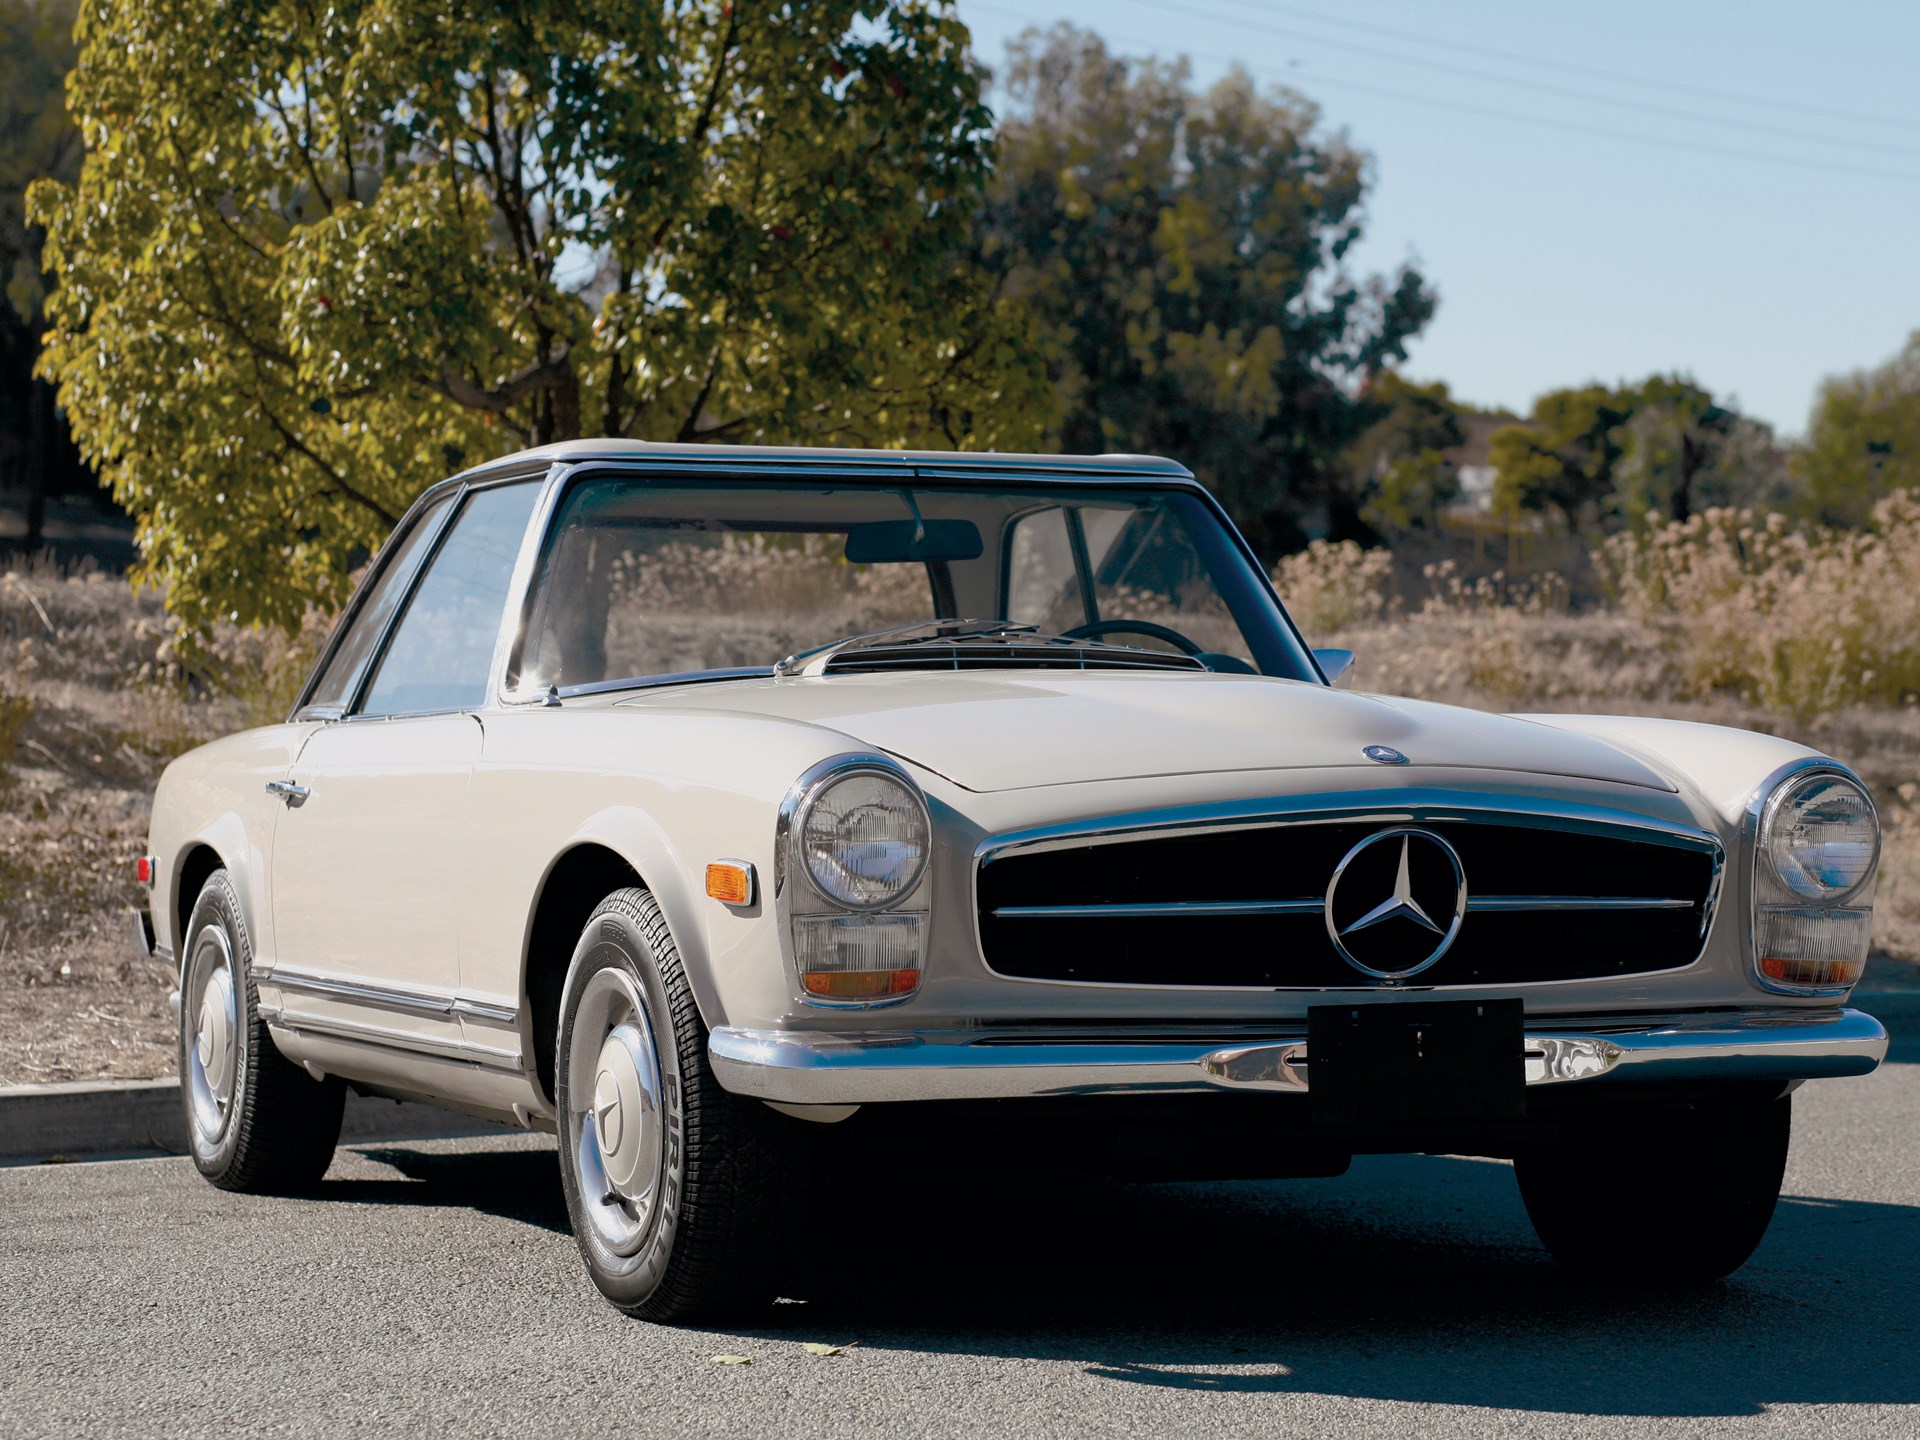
[[143, 870]]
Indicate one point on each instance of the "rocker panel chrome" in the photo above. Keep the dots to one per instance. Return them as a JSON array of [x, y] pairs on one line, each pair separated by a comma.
[[828, 1069], [388, 997]]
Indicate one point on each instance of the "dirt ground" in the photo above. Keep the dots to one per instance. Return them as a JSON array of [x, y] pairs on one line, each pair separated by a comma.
[[91, 710], [92, 707]]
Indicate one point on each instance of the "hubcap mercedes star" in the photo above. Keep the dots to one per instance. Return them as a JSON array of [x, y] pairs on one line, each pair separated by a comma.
[[614, 1116], [213, 1064], [1395, 903]]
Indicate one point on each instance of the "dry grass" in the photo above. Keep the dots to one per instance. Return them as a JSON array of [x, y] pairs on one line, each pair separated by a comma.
[[1728, 619], [91, 710]]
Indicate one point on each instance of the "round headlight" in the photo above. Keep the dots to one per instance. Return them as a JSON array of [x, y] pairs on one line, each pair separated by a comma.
[[1820, 839], [864, 840]]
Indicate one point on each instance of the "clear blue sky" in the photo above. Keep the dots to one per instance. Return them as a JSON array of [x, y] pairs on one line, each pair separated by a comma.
[[1565, 257]]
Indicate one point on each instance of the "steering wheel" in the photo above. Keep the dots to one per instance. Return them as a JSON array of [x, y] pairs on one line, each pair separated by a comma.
[[1093, 630]]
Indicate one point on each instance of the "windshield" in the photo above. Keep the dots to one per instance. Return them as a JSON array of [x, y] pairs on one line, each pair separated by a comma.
[[643, 579]]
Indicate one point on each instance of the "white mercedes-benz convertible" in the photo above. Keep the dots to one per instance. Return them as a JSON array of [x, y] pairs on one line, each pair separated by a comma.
[[721, 808]]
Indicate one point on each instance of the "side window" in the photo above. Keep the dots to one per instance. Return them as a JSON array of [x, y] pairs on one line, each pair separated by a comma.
[[1043, 584], [402, 557], [442, 651]]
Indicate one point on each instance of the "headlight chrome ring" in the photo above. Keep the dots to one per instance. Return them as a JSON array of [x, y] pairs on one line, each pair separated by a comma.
[[1818, 841], [1814, 838], [860, 833]]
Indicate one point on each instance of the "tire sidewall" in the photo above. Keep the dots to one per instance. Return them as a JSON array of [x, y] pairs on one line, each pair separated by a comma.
[[219, 906], [613, 939]]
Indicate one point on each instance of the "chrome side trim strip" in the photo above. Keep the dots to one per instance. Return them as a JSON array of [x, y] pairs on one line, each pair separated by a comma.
[[389, 997], [848, 1069], [1195, 909], [344, 1029]]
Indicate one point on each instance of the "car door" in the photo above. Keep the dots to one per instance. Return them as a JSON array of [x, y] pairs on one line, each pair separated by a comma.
[[368, 850]]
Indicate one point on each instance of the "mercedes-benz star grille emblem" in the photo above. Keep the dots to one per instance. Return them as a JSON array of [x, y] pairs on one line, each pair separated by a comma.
[[1383, 755], [1395, 902]]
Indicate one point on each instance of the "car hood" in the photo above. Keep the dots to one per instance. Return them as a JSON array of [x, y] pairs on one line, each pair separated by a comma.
[[990, 731]]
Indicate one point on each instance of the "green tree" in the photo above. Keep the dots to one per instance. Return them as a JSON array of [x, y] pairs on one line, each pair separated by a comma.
[[1595, 456], [38, 141], [1185, 253], [1674, 439], [1398, 465], [1864, 441], [319, 255], [1561, 460]]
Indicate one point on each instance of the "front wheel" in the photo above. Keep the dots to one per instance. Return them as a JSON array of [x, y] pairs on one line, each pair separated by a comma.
[[255, 1121], [1674, 1195], [675, 1187]]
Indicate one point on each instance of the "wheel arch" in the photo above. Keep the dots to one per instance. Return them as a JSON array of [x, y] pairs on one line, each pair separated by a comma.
[[617, 850], [199, 857]]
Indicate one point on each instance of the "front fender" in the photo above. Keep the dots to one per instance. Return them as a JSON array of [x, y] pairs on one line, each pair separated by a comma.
[[1717, 766], [640, 840]]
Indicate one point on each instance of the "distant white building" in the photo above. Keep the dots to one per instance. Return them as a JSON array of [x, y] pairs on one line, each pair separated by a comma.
[[1476, 490]]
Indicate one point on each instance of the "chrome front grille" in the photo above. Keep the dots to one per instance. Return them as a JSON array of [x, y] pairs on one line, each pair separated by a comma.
[[1548, 897]]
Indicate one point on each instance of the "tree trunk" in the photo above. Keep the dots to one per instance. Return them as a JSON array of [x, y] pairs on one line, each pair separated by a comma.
[[565, 396]]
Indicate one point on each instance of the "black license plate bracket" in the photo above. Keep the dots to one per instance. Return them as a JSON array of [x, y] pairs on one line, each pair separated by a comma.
[[1425, 1062]]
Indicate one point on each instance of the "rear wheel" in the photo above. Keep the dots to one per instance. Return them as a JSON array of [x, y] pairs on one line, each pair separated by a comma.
[[1660, 1194], [675, 1187], [255, 1121]]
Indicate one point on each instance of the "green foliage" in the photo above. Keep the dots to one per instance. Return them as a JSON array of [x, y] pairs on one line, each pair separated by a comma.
[[1864, 442], [1563, 460], [1665, 446], [37, 139], [1185, 255], [318, 257], [1398, 465]]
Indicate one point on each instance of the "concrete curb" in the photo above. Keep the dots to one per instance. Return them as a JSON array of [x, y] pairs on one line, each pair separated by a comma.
[[100, 1118]]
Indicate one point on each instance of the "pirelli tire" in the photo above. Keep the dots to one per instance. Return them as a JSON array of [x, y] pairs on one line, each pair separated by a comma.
[[256, 1122], [676, 1188], [1661, 1195]]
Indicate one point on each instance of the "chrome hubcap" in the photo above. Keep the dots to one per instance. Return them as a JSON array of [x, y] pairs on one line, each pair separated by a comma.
[[213, 1064], [614, 1120]]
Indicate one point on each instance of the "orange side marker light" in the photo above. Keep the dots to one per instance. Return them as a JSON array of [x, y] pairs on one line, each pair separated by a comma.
[[730, 882]]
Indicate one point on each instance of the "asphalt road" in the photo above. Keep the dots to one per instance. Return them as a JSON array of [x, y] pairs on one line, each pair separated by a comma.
[[431, 1288]]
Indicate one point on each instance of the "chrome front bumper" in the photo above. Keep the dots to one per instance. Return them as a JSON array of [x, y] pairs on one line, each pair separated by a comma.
[[805, 1068]]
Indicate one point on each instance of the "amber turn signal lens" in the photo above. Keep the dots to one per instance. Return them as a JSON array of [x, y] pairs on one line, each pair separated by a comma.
[[1811, 971], [860, 984], [730, 882]]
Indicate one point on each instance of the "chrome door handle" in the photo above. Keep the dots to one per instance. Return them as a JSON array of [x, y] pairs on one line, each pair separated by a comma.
[[287, 792]]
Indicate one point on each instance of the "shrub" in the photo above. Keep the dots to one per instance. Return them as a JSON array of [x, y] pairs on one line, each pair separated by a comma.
[[1802, 622], [1331, 585], [14, 710]]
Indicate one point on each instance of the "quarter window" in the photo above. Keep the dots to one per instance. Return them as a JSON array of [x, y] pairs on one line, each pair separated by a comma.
[[440, 657], [335, 687]]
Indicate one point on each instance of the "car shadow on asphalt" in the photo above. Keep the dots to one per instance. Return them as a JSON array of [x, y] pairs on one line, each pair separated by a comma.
[[519, 1185], [1413, 1278]]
